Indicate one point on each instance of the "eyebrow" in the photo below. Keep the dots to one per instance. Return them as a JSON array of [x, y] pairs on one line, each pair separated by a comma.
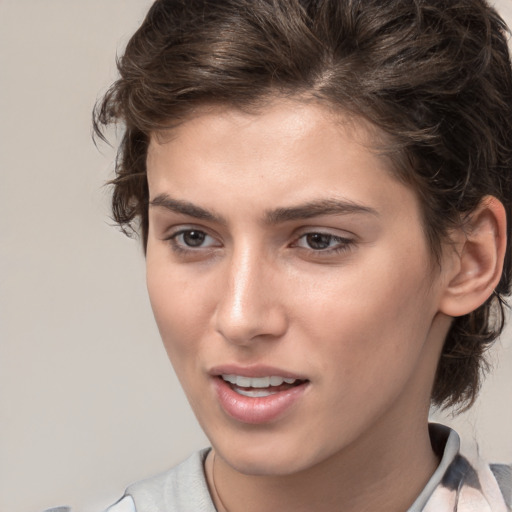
[[279, 215], [317, 209], [185, 208]]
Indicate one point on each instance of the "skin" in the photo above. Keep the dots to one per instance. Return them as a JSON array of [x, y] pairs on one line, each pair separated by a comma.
[[362, 319]]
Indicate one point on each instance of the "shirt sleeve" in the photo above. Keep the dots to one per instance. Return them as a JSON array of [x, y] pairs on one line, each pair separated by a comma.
[[125, 504]]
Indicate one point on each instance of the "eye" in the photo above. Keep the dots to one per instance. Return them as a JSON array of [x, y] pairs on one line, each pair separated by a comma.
[[190, 239], [323, 242]]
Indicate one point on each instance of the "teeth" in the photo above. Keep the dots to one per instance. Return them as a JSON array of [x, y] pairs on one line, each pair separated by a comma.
[[244, 382], [230, 378], [255, 393], [276, 381], [256, 382], [262, 382]]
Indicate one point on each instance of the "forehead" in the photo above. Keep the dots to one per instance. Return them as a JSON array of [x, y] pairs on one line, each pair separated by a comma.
[[282, 133]]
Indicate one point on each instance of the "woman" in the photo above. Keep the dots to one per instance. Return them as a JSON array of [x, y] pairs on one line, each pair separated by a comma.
[[323, 192]]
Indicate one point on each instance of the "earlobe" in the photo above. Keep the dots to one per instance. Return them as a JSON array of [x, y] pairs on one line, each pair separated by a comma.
[[479, 252]]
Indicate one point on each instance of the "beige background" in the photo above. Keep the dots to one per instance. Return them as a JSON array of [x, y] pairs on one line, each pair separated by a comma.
[[88, 401]]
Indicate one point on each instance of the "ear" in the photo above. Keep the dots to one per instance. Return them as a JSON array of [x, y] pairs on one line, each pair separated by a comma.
[[478, 254]]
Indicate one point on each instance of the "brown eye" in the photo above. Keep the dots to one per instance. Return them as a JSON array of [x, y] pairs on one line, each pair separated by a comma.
[[324, 243], [193, 238], [319, 241]]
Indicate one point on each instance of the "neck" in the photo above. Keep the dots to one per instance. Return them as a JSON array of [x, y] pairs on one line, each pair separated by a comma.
[[384, 474]]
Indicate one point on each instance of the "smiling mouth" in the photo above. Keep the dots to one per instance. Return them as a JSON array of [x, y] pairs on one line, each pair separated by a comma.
[[260, 387]]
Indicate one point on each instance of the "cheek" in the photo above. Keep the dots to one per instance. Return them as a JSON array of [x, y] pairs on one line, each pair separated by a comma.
[[178, 312], [372, 319]]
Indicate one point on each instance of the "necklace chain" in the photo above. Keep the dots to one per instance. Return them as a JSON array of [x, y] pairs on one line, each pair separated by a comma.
[[219, 499]]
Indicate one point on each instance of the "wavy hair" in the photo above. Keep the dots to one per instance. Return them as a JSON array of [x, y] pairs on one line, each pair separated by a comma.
[[433, 75]]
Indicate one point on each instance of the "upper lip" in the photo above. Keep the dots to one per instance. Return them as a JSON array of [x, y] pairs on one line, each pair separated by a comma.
[[257, 370]]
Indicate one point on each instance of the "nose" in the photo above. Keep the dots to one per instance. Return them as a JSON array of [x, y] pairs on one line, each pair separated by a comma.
[[250, 304]]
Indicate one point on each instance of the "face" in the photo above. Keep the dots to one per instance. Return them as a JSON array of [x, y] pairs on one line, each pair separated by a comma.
[[291, 282]]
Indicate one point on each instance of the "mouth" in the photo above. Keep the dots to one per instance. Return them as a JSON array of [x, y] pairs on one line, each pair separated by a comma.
[[260, 387], [258, 395]]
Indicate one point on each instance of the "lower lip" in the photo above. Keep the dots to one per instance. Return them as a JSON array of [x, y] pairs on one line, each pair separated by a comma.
[[256, 410]]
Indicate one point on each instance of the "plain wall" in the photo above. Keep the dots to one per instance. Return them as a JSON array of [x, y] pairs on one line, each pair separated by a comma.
[[88, 400]]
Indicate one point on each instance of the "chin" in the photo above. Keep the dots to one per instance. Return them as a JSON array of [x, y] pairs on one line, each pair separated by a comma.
[[272, 456], [270, 467]]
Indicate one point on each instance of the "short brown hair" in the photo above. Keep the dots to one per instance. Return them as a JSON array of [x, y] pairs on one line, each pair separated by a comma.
[[434, 75]]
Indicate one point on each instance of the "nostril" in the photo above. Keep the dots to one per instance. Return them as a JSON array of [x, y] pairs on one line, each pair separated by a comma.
[[256, 322]]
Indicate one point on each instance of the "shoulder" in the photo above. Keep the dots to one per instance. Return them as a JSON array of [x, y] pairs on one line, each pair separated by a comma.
[[464, 481], [473, 481], [182, 488], [125, 504], [503, 475]]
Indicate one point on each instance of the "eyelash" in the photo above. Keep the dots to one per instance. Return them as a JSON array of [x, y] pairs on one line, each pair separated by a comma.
[[182, 247], [343, 244]]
